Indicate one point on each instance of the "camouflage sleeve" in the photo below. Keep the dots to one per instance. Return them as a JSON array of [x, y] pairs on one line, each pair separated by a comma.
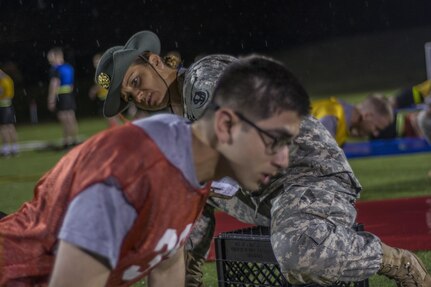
[[243, 207], [197, 247], [202, 233], [312, 235]]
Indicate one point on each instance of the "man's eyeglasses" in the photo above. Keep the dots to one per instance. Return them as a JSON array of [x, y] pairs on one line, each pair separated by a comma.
[[273, 144]]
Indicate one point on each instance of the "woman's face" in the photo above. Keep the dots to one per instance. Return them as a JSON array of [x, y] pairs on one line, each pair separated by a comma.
[[145, 87]]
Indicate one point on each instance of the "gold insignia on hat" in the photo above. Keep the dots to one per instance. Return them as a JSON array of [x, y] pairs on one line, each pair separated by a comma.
[[104, 80]]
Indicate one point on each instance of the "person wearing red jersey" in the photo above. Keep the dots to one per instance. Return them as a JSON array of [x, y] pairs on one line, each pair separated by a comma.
[[103, 216]]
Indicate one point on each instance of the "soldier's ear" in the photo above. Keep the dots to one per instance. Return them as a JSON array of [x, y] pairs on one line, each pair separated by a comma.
[[224, 120], [155, 60]]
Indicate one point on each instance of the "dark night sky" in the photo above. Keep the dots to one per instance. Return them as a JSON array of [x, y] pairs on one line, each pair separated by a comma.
[[30, 27], [192, 27]]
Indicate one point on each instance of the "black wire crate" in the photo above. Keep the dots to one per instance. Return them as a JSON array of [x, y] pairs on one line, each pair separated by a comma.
[[244, 258]]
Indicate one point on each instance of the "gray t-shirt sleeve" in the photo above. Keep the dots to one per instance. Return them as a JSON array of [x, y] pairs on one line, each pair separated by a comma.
[[97, 220], [330, 123]]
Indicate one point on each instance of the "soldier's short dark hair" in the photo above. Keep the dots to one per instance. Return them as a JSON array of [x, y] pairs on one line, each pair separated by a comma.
[[260, 87]]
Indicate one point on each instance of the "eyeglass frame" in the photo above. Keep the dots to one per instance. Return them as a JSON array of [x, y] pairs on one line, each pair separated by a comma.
[[277, 143]]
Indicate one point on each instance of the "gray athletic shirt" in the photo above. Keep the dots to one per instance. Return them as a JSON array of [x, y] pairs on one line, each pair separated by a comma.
[[330, 122], [98, 219]]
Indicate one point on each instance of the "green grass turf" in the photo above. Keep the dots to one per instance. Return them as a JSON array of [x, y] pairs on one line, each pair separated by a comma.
[[51, 131], [381, 177], [18, 175]]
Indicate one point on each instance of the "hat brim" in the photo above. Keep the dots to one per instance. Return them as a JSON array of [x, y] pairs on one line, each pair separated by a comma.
[[122, 59]]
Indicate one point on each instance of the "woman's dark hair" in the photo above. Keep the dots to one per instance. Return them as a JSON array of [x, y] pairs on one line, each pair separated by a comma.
[[261, 87], [171, 60]]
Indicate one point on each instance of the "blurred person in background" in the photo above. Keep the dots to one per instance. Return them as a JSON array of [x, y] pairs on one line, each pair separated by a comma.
[[407, 105], [61, 95], [423, 120], [412, 96], [414, 123], [344, 120], [7, 117]]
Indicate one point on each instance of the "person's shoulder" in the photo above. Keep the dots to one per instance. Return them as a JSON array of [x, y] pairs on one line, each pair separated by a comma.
[[200, 80], [161, 121], [163, 117], [215, 63], [171, 133]]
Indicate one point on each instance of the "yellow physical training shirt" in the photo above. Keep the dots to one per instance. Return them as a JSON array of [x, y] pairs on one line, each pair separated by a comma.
[[332, 107], [6, 90]]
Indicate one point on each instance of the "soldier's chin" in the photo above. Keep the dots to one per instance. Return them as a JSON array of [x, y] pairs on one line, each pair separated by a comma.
[[154, 108], [251, 187]]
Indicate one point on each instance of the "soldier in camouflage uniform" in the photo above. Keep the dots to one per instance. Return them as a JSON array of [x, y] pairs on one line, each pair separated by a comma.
[[310, 210]]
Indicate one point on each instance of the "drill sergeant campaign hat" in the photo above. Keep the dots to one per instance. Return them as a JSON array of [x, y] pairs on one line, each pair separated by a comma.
[[114, 63], [199, 83]]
